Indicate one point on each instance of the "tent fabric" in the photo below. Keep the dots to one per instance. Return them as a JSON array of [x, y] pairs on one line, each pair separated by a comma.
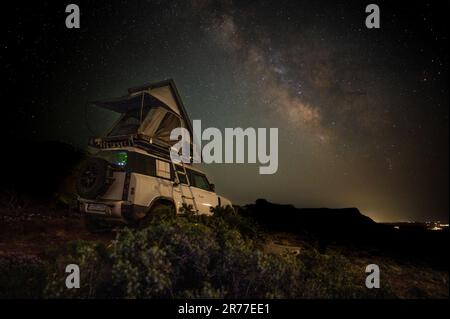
[[159, 123], [152, 121], [164, 94], [168, 123], [153, 110], [166, 91]]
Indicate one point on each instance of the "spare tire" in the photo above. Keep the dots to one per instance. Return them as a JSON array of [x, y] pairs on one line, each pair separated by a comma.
[[93, 178]]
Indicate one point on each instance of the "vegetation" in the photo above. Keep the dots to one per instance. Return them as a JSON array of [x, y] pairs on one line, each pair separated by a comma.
[[202, 257]]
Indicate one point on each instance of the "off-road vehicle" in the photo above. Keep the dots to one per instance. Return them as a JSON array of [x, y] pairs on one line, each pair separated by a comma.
[[130, 174]]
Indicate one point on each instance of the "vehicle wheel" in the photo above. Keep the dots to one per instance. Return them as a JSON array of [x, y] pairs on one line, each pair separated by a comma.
[[92, 180], [160, 210]]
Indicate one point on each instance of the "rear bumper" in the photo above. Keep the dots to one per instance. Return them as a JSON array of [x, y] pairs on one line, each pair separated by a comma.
[[117, 212], [113, 211]]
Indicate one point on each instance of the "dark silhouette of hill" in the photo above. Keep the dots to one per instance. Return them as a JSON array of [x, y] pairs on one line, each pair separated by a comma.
[[37, 168], [342, 223], [347, 226], [312, 218]]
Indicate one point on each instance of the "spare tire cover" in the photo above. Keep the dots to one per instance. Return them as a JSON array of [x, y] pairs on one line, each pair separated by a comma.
[[92, 179]]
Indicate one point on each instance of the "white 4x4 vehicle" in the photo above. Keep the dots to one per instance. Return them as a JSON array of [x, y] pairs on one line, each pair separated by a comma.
[[131, 174]]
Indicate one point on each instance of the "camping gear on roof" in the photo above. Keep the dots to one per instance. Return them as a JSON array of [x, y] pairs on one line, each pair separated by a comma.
[[151, 111]]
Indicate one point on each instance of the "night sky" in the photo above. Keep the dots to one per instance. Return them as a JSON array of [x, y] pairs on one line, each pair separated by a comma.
[[362, 114]]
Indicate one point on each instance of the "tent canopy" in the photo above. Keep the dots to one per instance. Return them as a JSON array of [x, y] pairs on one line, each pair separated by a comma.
[[153, 110], [128, 103]]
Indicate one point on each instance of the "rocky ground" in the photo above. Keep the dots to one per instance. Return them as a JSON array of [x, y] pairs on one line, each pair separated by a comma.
[[33, 230]]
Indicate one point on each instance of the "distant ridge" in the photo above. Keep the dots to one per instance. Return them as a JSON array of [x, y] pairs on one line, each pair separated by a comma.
[[317, 218]]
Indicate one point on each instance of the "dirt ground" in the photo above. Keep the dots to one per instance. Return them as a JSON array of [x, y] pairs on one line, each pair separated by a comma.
[[33, 233]]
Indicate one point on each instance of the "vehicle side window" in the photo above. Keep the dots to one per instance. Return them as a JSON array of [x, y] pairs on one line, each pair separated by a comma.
[[163, 169], [142, 164], [200, 181]]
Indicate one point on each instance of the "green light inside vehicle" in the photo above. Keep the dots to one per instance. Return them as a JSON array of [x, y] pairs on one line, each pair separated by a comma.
[[121, 158]]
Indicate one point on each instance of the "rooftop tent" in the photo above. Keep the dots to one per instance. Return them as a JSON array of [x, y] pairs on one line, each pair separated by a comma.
[[152, 110]]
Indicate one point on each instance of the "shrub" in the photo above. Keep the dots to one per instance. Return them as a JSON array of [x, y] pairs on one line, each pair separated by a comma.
[[334, 276], [162, 260], [225, 218], [93, 261], [188, 258]]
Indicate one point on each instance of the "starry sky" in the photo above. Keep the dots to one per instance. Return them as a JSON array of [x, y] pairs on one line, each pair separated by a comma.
[[362, 114]]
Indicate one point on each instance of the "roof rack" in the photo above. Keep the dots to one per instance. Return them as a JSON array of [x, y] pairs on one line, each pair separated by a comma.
[[138, 140]]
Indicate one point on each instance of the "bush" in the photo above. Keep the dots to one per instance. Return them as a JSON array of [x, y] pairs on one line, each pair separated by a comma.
[[334, 276], [162, 260], [93, 261], [187, 258]]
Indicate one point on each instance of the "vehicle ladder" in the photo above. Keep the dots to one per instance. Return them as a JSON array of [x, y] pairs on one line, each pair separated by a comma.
[[188, 184]]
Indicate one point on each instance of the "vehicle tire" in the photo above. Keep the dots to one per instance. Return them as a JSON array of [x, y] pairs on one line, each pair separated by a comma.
[[160, 210], [92, 180]]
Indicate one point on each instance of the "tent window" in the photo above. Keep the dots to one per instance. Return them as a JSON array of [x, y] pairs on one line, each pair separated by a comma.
[[131, 121], [169, 122], [128, 124]]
